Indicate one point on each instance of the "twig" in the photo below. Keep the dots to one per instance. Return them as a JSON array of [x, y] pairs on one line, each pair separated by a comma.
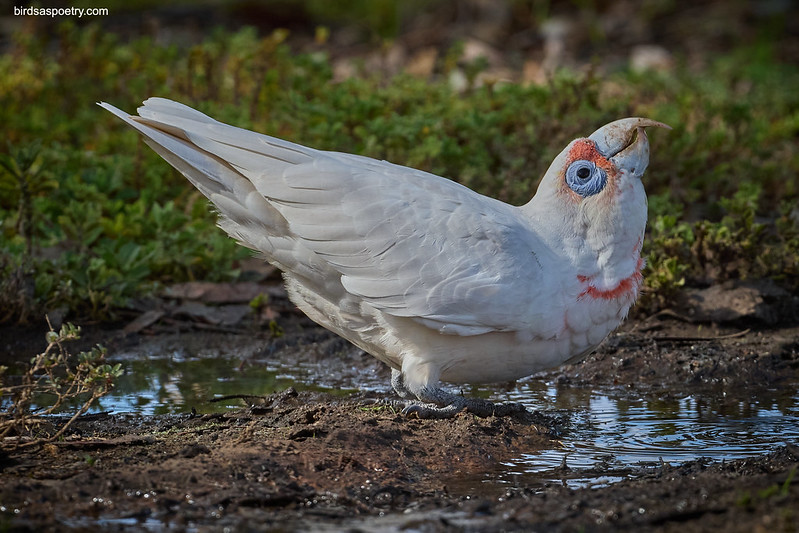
[[245, 397], [673, 314], [681, 338]]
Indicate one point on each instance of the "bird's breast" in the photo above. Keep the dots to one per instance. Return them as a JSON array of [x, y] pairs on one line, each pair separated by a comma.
[[597, 306]]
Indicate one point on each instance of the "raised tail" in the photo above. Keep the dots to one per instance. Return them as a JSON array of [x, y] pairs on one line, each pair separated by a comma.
[[179, 134]]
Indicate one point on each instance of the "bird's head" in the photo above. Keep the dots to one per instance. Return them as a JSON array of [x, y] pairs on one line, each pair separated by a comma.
[[593, 191]]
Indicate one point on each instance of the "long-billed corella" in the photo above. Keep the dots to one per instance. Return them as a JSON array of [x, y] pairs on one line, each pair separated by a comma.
[[437, 281]]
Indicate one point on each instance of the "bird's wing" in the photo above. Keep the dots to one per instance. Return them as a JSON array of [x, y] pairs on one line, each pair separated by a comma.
[[413, 244], [406, 242]]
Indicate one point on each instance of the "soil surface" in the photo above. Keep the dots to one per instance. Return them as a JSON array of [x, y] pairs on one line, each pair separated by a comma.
[[313, 461]]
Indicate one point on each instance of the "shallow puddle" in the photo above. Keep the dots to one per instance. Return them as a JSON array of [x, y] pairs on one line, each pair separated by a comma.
[[612, 434], [608, 435], [168, 386]]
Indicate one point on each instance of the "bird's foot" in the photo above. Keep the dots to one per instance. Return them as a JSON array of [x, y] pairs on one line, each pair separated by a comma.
[[430, 411], [436, 403], [398, 384], [418, 409], [439, 404]]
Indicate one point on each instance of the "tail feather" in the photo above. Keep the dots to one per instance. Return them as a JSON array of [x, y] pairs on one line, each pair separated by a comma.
[[233, 194], [226, 163], [155, 107], [253, 154]]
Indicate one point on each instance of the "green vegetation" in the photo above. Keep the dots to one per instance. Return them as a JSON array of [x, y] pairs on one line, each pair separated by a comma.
[[54, 379], [90, 217], [777, 490]]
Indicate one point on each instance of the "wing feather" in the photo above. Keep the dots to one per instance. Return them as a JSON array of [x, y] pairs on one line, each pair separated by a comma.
[[403, 241]]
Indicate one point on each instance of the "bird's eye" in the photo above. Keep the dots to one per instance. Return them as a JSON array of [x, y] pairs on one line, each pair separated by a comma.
[[585, 178]]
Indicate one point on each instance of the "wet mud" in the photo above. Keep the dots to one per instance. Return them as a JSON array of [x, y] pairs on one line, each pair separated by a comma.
[[316, 461]]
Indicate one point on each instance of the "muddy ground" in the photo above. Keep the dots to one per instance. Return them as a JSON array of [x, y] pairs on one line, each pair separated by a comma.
[[317, 462], [312, 461]]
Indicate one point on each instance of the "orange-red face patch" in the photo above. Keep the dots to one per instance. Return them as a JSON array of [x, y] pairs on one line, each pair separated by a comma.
[[586, 149]]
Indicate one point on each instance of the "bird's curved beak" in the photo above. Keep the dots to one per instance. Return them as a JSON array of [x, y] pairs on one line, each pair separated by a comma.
[[624, 142]]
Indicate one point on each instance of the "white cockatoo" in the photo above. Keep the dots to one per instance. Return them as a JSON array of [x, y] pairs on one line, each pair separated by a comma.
[[435, 280]]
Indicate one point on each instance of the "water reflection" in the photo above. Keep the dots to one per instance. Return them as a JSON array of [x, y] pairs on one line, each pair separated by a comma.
[[613, 430], [176, 385]]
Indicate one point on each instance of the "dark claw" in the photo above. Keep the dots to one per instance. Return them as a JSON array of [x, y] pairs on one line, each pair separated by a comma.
[[399, 405]]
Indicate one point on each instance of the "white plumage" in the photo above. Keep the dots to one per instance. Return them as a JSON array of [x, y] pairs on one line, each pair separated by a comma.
[[428, 276]]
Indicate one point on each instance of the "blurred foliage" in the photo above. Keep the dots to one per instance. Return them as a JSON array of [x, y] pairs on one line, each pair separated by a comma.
[[372, 20], [90, 217]]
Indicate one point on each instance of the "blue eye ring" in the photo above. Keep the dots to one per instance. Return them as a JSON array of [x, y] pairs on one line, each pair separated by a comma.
[[585, 178]]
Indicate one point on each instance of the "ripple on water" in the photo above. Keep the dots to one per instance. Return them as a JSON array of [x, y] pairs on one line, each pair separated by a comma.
[[610, 431]]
